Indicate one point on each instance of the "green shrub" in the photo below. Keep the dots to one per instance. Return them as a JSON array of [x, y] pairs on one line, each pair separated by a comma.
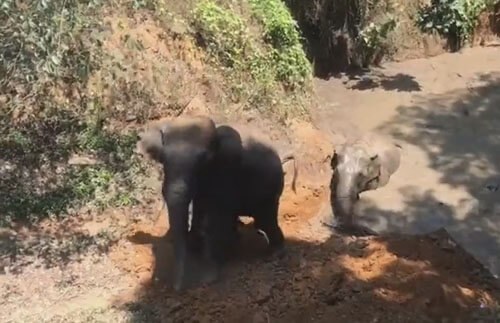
[[223, 32], [257, 69], [279, 27], [292, 66], [281, 32], [373, 41], [41, 41], [455, 19]]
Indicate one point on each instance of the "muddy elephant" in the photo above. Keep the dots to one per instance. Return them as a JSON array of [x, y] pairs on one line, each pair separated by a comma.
[[223, 175], [245, 178], [358, 166]]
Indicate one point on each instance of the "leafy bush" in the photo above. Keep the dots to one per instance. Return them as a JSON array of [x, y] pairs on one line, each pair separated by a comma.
[[41, 41], [50, 54], [258, 69], [37, 180], [292, 66], [223, 32], [455, 19], [372, 41], [279, 27], [281, 31]]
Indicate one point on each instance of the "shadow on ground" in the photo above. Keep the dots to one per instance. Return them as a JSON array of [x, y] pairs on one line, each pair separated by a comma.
[[460, 134], [368, 279], [35, 246], [370, 80]]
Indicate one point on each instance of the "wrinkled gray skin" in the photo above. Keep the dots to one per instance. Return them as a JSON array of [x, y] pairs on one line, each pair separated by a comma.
[[359, 166], [183, 146], [223, 175]]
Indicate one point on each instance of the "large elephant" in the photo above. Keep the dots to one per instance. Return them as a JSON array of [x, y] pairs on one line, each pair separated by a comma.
[[245, 179], [223, 175], [361, 165]]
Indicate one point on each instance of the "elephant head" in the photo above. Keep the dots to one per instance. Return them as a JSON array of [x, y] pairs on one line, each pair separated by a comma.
[[359, 167], [183, 146]]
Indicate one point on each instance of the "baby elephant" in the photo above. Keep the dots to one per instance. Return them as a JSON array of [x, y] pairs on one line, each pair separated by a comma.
[[223, 175], [361, 165]]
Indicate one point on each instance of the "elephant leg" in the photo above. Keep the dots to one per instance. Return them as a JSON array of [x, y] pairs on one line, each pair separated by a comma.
[[219, 236], [266, 219], [179, 229]]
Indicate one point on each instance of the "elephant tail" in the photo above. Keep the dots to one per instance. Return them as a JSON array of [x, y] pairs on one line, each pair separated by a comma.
[[286, 158]]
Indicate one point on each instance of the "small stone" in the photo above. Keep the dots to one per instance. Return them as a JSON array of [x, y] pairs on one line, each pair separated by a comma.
[[361, 244], [262, 294], [3, 99], [448, 245], [175, 306], [178, 28], [260, 317], [334, 299], [357, 288], [196, 106], [130, 118]]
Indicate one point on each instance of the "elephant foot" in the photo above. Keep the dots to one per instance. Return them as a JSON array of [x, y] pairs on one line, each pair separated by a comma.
[[279, 251], [211, 274], [179, 282]]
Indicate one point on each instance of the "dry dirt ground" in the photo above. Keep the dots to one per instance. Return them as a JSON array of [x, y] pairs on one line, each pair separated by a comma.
[[444, 113]]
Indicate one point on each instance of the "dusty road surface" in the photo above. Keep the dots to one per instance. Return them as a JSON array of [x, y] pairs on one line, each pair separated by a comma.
[[445, 112]]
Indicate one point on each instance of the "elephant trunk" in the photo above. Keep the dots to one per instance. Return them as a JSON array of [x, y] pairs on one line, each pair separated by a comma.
[[343, 197], [178, 193]]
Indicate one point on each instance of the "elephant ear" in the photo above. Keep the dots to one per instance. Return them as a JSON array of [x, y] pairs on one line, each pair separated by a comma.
[[229, 145], [374, 172], [151, 144], [390, 161], [383, 178]]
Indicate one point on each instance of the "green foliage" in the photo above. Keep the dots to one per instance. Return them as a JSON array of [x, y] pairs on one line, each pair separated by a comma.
[[292, 66], [41, 41], [373, 40], [281, 31], [37, 180], [455, 19], [279, 27], [48, 51], [258, 69], [223, 32]]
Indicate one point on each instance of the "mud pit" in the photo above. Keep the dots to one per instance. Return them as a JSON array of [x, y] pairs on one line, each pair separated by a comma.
[[324, 277], [444, 113]]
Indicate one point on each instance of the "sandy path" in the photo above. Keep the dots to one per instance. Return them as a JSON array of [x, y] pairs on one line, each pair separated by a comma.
[[445, 112]]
